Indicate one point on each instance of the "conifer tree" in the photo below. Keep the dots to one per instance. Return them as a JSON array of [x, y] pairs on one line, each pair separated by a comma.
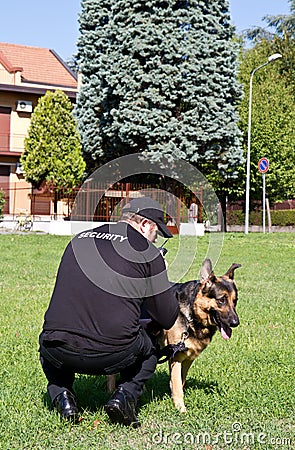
[[52, 148], [159, 77]]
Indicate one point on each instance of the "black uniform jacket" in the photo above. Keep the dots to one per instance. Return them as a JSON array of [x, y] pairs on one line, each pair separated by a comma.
[[105, 276]]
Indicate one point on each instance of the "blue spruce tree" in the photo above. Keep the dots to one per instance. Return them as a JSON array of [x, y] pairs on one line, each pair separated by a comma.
[[160, 77]]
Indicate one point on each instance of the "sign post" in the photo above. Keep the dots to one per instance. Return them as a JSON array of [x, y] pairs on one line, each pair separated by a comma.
[[263, 166]]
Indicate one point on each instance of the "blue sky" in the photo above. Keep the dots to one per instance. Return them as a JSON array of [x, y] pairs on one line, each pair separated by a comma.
[[54, 23]]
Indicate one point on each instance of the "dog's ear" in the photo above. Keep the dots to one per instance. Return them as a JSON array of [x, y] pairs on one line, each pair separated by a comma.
[[207, 274], [230, 272]]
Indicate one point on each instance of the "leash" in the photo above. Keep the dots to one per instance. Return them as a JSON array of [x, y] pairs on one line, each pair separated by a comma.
[[170, 351]]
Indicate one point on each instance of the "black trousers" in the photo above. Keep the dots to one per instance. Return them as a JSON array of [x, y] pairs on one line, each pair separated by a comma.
[[136, 364]]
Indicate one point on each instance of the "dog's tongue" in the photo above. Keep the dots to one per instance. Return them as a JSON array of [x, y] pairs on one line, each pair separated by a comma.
[[225, 332]]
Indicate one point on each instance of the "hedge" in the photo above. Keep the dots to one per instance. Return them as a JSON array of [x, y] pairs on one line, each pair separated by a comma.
[[281, 218]]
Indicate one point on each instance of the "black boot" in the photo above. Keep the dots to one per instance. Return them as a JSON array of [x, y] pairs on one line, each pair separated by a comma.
[[121, 409], [66, 406]]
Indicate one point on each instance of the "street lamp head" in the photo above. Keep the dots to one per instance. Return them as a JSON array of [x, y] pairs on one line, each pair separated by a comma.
[[274, 57]]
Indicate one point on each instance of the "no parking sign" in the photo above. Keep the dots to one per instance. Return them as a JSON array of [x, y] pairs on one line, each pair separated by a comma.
[[263, 165]]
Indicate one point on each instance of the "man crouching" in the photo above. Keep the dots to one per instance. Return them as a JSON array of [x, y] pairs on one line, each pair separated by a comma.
[[92, 325]]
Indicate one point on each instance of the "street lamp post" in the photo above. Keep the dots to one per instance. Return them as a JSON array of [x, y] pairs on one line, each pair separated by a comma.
[[270, 59]]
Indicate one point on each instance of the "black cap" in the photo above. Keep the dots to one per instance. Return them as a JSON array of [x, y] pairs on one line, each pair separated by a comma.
[[150, 209]]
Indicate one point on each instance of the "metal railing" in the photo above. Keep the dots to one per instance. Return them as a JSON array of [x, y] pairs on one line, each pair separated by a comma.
[[101, 202]]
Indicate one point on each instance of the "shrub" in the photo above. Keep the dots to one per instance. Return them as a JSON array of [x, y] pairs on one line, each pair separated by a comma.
[[236, 217], [2, 203], [280, 218], [255, 218], [283, 218]]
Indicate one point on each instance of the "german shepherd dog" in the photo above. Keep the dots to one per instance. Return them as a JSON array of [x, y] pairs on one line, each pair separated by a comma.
[[206, 305]]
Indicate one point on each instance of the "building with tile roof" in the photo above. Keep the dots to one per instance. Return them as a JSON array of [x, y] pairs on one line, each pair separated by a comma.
[[26, 73]]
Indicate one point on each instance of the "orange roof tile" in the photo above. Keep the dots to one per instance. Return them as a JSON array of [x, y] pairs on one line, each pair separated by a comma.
[[39, 65]]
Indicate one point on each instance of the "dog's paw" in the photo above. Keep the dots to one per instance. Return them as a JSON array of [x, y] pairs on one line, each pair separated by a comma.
[[181, 407]]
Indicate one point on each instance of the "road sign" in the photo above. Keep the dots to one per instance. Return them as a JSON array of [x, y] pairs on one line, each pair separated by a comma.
[[263, 165]]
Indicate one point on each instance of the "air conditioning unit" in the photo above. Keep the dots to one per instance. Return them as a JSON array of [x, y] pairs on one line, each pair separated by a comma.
[[19, 170], [24, 106]]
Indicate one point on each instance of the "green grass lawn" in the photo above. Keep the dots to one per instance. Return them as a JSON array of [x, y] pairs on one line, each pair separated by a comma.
[[239, 393]]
